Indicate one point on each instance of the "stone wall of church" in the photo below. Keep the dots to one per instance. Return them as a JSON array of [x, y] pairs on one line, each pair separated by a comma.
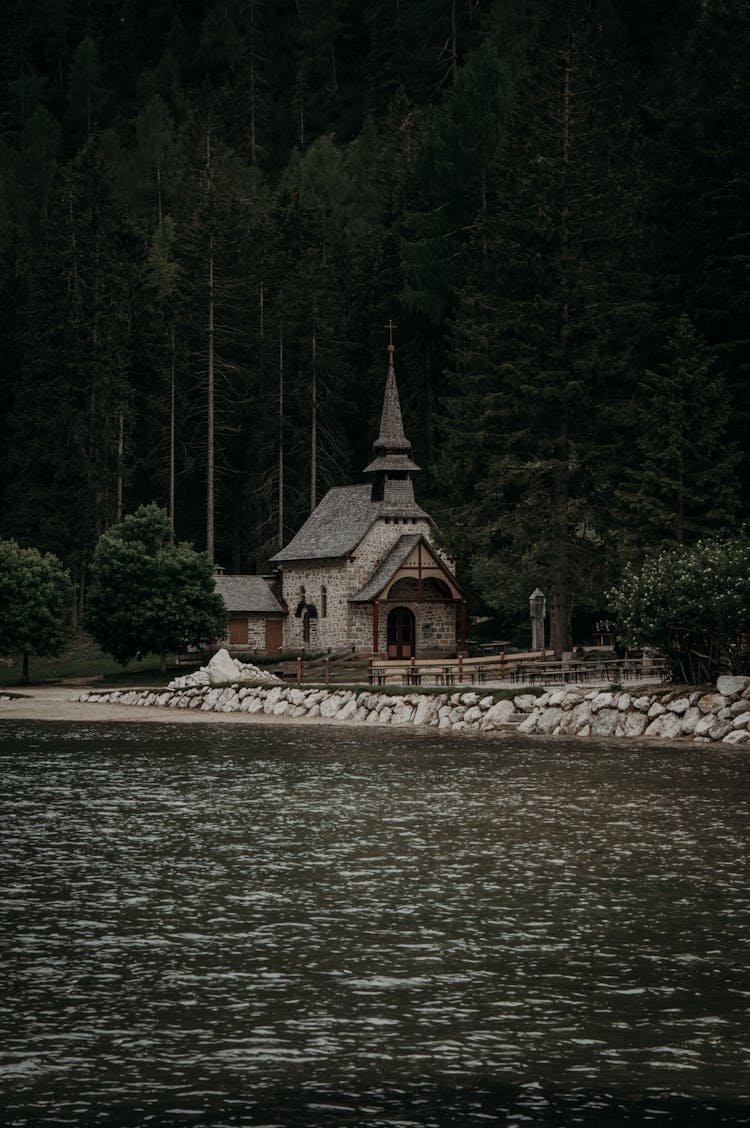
[[329, 630], [435, 625], [340, 624]]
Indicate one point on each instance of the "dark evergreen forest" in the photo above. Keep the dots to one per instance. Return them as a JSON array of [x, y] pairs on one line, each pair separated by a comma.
[[210, 209]]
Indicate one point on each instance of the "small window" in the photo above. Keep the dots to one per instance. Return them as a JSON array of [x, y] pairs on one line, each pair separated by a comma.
[[323, 601]]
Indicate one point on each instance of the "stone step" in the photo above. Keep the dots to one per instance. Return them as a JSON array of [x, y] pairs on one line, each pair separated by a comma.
[[514, 719]]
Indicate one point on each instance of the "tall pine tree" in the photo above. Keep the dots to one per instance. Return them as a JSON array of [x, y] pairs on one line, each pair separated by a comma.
[[538, 367]]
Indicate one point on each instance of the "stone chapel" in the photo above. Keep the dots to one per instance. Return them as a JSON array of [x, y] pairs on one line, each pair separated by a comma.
[[364, 572]]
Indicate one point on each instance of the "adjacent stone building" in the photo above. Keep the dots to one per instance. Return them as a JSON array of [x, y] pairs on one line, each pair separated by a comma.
[[364, 572], [254, 615]]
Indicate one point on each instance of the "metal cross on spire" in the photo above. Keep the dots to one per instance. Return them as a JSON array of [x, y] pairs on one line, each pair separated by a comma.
[[390, 327]]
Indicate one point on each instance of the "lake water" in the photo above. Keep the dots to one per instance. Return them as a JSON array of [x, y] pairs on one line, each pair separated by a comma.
[[315, 926]]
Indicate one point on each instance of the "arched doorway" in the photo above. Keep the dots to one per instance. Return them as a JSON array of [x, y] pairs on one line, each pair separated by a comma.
[[401, 633]]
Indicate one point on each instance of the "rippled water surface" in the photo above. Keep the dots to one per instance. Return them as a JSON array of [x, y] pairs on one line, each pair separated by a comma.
[[311, 926]]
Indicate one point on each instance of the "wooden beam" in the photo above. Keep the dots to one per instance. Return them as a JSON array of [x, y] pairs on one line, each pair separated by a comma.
[[419, 571]]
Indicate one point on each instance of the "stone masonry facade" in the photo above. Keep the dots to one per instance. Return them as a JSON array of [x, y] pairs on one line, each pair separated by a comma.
[[347, 625], [435, 625], [256, 634]]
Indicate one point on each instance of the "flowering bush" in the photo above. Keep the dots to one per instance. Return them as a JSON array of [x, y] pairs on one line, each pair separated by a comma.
[[693, 604]]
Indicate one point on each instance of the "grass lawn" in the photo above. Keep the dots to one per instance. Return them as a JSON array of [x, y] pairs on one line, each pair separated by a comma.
[[84, 659]]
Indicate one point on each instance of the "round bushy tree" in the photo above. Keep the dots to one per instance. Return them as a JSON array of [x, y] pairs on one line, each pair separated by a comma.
[[35, 594], [693, 604], [149, 594]]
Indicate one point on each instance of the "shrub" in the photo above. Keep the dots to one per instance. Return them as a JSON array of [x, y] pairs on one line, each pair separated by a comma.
[[693, 605]]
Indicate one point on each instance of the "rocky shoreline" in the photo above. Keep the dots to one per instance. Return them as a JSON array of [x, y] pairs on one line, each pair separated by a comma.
[[720, 715], [705, 716]]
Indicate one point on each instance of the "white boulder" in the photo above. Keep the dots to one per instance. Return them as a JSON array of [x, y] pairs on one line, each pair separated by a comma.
[[605, 722], [224, 670], [728, 685], [498, 714]]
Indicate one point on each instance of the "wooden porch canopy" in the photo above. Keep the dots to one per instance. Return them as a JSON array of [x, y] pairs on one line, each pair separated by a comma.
[[411, 573]]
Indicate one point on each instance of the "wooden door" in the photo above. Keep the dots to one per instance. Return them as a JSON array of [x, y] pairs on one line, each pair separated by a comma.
[[238, 631], [401, 633], [274, 635]]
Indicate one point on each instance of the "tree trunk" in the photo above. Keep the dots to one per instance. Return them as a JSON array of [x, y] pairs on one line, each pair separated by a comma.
[[314, 415], [559, 616], [253, 139], [81, 591], [559, 611], [334, 76], [210, 420], [162, 662], [280, 534], [159, 208], [25, 672], [210, 375], [236, 525], [120, 459], [171, 427]]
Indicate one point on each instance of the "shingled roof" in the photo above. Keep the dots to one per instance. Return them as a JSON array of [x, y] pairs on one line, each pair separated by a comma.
[[337, 525], [250, 594], [391, 446], [387, 570]]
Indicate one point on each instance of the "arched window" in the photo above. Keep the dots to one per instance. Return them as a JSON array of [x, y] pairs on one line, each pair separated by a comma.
[[323, 601], [305, 627]]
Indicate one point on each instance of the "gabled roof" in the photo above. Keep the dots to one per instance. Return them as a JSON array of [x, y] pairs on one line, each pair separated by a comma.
[[387, 570], [395, 560], [334, 528], [337, 525], [249, 594]]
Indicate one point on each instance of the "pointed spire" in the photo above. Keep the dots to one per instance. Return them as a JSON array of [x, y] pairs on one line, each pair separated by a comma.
[[391, 439], [391, 446]]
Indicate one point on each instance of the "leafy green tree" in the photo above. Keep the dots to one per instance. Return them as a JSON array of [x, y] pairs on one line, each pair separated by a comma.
[[35, 594], [693, 604], [150, 594]]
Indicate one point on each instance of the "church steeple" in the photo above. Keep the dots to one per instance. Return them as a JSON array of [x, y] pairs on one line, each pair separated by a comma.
[[392, 469], [391, 439]]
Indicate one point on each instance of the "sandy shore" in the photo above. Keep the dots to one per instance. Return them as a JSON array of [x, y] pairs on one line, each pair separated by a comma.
[[53, 703]]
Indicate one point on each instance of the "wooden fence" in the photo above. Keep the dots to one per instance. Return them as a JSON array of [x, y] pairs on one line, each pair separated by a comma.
[[518, 668]]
